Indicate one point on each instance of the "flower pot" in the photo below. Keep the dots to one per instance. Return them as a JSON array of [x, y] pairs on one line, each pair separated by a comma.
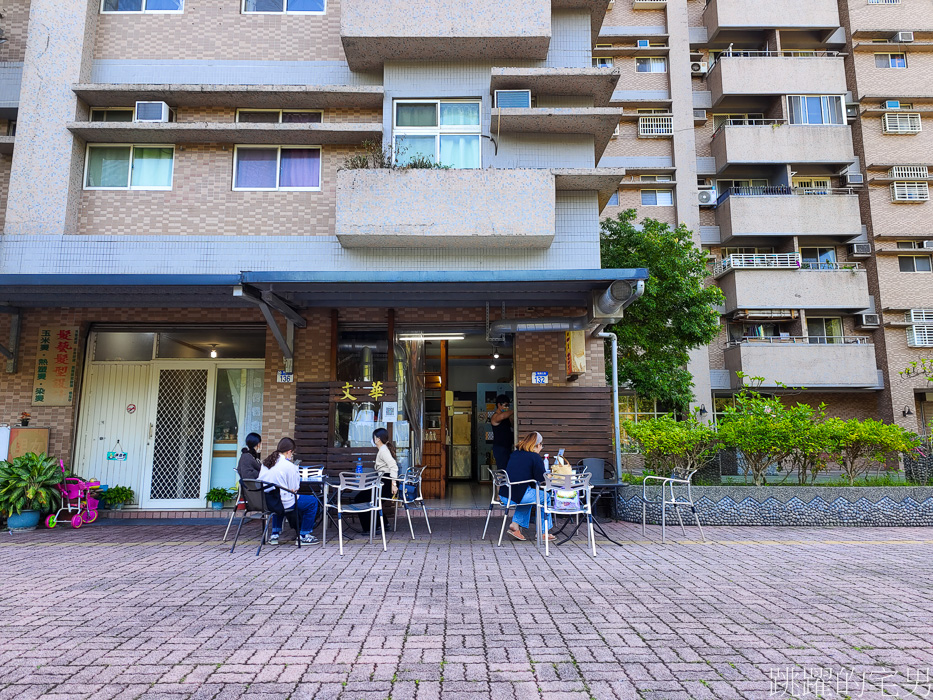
[[24, 422], [217, 505], [116, 506], [27, 520]]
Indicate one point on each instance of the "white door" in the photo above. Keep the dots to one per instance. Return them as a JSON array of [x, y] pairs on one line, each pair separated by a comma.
[[113, 418], [181, 420]]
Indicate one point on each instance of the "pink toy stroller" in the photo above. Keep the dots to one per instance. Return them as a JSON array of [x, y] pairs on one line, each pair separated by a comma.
[[78, 498]]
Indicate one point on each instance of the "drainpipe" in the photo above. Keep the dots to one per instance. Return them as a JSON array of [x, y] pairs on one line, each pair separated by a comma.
[[615, 398]]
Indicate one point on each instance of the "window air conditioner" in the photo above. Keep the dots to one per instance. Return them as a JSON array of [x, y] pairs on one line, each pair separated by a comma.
[[151, 112], [859, 250], [699, 67], [706, 197], [520, 99], [927, 244], [699, 114], [904, 37], [643, 44], [854, 178], [892, 104], [869, 320]]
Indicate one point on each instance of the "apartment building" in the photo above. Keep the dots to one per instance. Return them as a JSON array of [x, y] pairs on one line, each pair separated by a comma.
[[768, 129], [193, 249]]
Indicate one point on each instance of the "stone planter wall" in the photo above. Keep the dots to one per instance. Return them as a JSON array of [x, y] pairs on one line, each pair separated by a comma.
[[888, 506]]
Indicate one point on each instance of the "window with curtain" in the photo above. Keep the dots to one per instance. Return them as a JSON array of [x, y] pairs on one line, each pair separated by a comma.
[[129, 167], [652, 64], [815, 109], [108, 6], [279, 116], [277, 168], [446, 132], [818, 258], [824, 331], [890, 60], [287, 6]]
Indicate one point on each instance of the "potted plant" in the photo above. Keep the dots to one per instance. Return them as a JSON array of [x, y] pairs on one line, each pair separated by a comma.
[[217, 496], [29, 487], [116, 496], [24, 418]]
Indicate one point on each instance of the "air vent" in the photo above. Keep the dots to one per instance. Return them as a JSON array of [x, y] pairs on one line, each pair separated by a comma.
[[860, 250], [869, 320], [151, 112], [513, 99]]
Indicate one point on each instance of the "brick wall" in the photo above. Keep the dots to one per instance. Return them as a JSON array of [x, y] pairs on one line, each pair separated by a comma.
[[622, 15], [15, 25], [902, 290], [5, 163], [202, 201], [631, 79], [357, 115], [628, 143], [897, 218], [544, 352], [882, 148], [892, 82], [902, 16], [217, 30]]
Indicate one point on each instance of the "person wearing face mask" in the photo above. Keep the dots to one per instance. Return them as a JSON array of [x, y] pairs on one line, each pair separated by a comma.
[[279, 469], [386, 466], [525, 464], [249, 465]]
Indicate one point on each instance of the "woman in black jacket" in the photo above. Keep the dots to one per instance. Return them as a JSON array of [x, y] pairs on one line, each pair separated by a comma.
[[525, 464], [249, 465]]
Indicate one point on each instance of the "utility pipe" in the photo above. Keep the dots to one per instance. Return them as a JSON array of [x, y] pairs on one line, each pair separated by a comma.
[[615, 398]]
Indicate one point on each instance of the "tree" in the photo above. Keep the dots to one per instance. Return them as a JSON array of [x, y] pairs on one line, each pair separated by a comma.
[[674, 315], [857, 445], [673, 446], [761, 430]]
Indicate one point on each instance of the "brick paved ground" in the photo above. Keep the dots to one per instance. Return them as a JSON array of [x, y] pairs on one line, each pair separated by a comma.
[[163, 611]]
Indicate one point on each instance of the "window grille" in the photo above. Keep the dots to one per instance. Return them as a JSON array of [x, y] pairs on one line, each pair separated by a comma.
[[910, 191], [901, 123]]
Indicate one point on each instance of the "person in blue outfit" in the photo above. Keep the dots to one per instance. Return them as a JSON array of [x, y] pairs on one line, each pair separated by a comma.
[[283, 472], [525, 464]]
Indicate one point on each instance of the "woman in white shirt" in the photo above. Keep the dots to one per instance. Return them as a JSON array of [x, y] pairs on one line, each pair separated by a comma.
[[279, 469], [386, 466]]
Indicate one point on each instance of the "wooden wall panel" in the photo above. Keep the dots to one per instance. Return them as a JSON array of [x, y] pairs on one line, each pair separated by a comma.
[[579, 419]]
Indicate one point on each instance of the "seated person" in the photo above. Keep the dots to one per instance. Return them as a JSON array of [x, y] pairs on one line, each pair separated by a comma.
[[281, 471], [524, 464], [387, 467], [249, 465]]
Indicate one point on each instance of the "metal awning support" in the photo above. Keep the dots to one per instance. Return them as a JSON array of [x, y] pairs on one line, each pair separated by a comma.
[[11, 353], [267, 301]]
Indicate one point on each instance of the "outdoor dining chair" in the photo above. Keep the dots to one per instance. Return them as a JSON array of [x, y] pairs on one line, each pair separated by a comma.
[[410, 497], [351, 482], [240, 501], [568, 494], [254, 509], [500, 479], [668, 497], [262, 501]]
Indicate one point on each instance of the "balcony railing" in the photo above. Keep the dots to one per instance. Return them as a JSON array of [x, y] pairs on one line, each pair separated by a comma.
[[656, 126], [800, 53], [780, 190], [779, 261], [801, 340]]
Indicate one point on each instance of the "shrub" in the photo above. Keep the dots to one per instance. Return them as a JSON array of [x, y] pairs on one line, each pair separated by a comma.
[[30, 482], [118, 494], [673, 446], [219, 494]]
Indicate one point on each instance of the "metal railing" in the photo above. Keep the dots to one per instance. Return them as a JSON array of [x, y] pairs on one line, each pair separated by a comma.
[[656, 126], [780, 261], [795, 53], [749, 122], [801, 340], [780, 190]]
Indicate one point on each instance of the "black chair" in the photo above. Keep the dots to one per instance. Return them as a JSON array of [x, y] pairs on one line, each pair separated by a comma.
[[262, 500]]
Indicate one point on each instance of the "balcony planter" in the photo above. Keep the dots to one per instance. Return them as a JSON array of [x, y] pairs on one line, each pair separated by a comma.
[[26, 520]]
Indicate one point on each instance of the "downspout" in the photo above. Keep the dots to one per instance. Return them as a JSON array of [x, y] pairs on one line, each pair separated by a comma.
[[615, 398]]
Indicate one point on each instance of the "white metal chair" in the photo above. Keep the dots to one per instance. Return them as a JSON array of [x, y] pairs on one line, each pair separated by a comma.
[[670, 498], [574, 491], [352, 482], [500, 479], [409, 496]]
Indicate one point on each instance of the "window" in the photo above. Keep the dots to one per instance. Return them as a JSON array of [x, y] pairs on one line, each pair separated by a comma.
[[824, 331], [737, 119], [602, 62], [122, 166], [279, 116], [637, 408], [653, 110], [613, 200], [657, 198], [316, 7], [110, 6], [811, 185], [745, 250], [914, 263], [884, 2], [116, 114], [910, 191], [655, 64], [901, 123], [277, 168], [815, 109], [440, 131], [890, 60], [818, 258]]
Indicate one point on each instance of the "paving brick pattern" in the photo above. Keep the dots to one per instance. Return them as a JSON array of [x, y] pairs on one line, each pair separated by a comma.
[[163, 611]]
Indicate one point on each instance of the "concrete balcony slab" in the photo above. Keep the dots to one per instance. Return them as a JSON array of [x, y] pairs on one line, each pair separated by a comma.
[[768, 144], [835, 216], [766, 76], [226, 132], [814, 366], [788, 288], [599, 122], [749, 15]]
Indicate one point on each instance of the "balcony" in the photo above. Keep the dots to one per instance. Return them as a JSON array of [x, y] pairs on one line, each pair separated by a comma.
[[753, 15], [814, 363], [769, 142], [772, 73], [782, 281], [425, 30], [598, 122], [785, 211], [226, 132], [446, 208]]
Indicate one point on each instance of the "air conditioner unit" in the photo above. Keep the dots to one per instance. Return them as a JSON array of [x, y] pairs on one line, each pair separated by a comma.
[[927, 244], [699, 67], [706, 197], [699, 114], [519, 99], [892, 104], [859, 250], [854, 178], [904, 37], [643, 44], [869, 320], [151, 112]]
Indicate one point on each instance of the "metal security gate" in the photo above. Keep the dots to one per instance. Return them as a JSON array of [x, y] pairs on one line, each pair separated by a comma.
[[180, 432]]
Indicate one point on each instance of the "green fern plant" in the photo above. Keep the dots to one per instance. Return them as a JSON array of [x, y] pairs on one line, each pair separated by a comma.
[[30, 482]]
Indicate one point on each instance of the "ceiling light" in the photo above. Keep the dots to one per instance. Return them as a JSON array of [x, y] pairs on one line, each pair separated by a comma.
[[213, 351], [431, 336], [496, 354], [492, 366]]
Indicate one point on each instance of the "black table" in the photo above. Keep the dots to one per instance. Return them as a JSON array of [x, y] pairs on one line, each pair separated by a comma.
[[598, 488]]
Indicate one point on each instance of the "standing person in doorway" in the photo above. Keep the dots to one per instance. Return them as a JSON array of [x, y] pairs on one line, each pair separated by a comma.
[[503, 437]]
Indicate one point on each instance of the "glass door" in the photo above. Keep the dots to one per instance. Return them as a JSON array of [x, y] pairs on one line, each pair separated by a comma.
[[237, 413]]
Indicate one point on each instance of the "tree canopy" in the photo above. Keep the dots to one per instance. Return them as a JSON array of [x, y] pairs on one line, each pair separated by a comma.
[[675, 314]]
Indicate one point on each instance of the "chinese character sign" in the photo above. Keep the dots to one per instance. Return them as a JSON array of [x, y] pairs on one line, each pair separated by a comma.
[[56, 360]]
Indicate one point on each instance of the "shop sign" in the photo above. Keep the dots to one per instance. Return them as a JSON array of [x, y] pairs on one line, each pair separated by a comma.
[[56, 359], [116, 456], [576, 352], [539, 377], [285, 377], [367, 392]]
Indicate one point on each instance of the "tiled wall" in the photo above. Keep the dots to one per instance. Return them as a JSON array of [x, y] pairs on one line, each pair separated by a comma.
[[15, 25]]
